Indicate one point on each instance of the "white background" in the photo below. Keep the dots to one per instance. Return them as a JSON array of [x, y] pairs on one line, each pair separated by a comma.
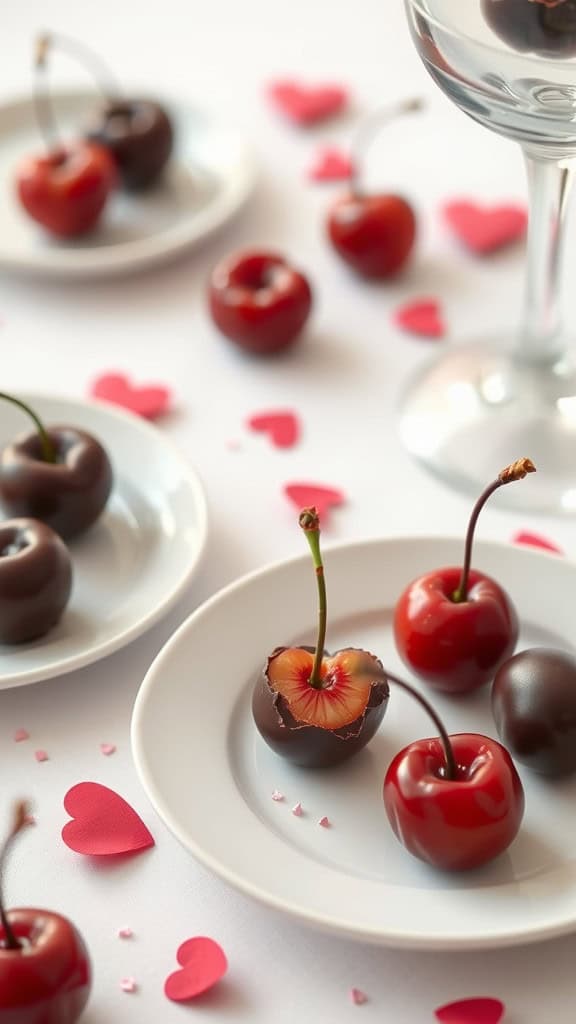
[[344, 379]]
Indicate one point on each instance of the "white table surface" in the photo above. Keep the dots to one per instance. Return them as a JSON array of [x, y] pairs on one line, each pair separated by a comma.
[[344, 379]]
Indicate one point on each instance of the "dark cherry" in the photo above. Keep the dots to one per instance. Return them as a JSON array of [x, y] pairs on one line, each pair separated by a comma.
[[534, 707], [543, 27], [35, 580], [139, 135]]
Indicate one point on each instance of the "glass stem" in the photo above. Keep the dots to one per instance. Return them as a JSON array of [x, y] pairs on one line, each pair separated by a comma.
[[548, 189]]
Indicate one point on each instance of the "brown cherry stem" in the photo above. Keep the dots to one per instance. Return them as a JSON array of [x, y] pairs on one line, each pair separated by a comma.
[[310, 522], [20, 821], [516, 471], [48, 450], [368, 130], [451, 766]]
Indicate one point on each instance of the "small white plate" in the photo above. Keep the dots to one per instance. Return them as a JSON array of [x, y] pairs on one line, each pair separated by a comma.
[[134, 563], [209, 177], [210, 776]]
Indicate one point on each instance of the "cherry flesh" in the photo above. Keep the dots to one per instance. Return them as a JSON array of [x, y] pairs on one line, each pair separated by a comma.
[[35, 580], [543, 27], [138, 133]]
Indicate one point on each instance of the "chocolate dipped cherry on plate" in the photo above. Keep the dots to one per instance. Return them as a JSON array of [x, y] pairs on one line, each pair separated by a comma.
[[534, 707], [35, 580], [259, 301], [455, 802], [45, 972], [313, 708], [59, 474], [544, 27], [454, 626], [373, 232]]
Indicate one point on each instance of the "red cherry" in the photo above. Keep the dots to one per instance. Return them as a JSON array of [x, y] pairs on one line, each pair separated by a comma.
[[454, 823], [66, 189], [454, 627], [374, 234], [259, 301]]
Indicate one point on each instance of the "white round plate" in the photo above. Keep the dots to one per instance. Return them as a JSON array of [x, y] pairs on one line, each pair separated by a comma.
[[209, 177], [210, 776], [137, 559]]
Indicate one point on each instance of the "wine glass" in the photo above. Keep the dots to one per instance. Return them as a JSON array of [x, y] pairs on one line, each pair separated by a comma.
[[510, 65]]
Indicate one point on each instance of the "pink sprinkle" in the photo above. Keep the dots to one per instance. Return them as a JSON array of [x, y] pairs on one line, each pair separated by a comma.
[[125, 933], [277, 796], [107, 749], [358, 997], [41, 755], [297, 811], [324, 822], [128, 985], [20, 735], [29, 819]]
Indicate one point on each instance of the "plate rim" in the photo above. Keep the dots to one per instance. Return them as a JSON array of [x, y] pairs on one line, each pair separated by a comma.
[[161, 608], [332, 926]]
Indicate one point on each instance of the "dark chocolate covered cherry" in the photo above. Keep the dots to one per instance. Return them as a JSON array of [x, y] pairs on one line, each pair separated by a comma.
[[35, 580], [139, 135], [534, 707], [544, 27]]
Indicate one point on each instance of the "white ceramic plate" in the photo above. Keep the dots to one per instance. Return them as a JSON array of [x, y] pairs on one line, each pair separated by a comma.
[[134, 563], [210, 176], [210, 776]]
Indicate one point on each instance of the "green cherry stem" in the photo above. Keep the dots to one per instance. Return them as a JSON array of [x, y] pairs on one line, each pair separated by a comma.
[[516, 471], [20, 821], [48, 450], [310, 523]]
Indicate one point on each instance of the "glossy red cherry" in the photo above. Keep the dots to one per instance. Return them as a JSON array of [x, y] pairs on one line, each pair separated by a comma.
[[454, 626], [313, 708], [45, 972], [259, 301], [35, 580], [66, 189]]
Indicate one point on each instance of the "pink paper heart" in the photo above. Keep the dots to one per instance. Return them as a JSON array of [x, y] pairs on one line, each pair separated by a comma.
[[484, 229], [323, 498], [331, 164], [422, 317], [203, 963], [471, 1011], [307, 104], [150, 401], [282, 427], [535, 540], [103, 824]]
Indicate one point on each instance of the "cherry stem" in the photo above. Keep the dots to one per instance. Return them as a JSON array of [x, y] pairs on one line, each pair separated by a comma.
[[48, 450], [516, 471], [20, 821], [451, 766], [368, 130], [310, 523]]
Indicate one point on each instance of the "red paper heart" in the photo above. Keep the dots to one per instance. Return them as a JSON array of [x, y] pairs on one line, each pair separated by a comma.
[[307, 104], [471, 1011], [151, 401], [483, 229], [282, 427], [103, 823], [331, 164], [534, 540], [422, 317], [306, 495], [203, 963]]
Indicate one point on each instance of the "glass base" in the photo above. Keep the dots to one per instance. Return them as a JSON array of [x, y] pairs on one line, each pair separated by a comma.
[[477, 409]]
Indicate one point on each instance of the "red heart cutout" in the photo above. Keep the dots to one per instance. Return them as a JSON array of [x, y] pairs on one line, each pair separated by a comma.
[[307, 104], [203, 963], [484, 229], [307, 495], [471, 1011], [422, 317], [331, 164], [151, 401], [534, 540], [281, 426], [103, 823]]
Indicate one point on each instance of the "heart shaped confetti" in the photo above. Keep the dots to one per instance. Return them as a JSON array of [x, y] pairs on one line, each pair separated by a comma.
[[282, 427], [358, 997], [331, 164], [308, 495], [103, 824], [149, 401], [307, 104], [422, 317], [471, 1011], [535, 540], [203, 963], [484, 229]]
